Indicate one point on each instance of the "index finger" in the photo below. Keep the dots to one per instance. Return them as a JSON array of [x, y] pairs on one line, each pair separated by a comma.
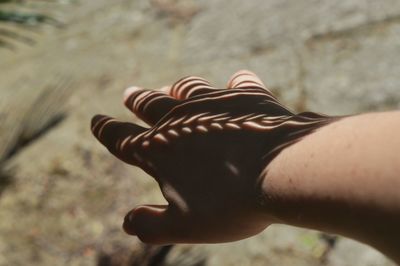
[[116, 136]]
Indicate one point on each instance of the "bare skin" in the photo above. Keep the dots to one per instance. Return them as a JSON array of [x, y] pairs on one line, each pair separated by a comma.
[[231, 162], [344, 179]]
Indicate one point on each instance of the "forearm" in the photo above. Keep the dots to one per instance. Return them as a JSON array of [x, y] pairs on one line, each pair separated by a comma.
[[342, 178]]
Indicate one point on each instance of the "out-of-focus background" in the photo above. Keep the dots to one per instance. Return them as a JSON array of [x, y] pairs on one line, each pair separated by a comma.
[[63, 196]]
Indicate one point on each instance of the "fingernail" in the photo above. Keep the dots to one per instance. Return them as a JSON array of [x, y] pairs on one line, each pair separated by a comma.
[[129, 91], [165, 88]]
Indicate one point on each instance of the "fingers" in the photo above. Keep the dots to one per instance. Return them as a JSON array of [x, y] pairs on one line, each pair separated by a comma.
[[246, 79], [189, 87], [116, 136], [151, 106], [148, 105], [154, 224]]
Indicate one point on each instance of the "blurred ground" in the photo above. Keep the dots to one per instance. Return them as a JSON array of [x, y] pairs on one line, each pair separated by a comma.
[[63, 196]]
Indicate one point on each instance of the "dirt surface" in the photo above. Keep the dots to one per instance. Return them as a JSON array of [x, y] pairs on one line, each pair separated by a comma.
[[63, 196]]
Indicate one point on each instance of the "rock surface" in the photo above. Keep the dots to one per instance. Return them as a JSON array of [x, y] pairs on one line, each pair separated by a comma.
[[67, 197]]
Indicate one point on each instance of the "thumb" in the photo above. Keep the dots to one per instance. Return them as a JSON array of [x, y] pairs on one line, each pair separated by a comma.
[[153, 224]]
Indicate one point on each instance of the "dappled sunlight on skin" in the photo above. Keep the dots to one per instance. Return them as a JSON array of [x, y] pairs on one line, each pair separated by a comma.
[[206, 148]]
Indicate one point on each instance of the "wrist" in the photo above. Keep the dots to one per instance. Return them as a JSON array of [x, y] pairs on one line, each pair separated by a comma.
[[336, 180], [292, 183], [287, 193], [280, 192]]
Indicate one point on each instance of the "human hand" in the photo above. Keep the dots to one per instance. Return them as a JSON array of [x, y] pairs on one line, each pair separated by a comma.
[[206, 148]]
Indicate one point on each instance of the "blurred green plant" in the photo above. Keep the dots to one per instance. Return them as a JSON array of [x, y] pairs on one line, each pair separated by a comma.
[[21, 18], [10, 14]]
